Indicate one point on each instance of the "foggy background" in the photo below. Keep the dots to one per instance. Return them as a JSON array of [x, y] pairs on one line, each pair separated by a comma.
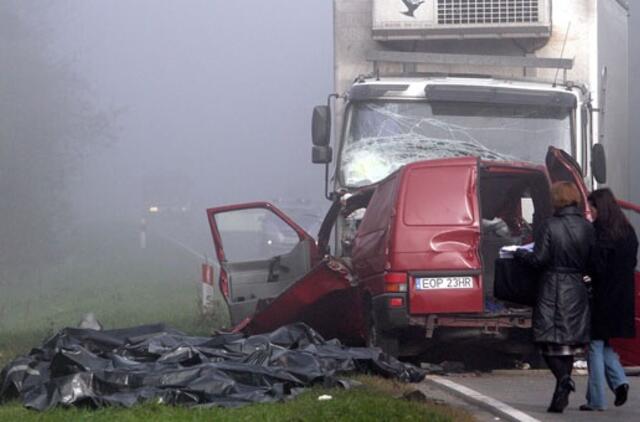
[[176, 104], [214, 97], [110, 107]]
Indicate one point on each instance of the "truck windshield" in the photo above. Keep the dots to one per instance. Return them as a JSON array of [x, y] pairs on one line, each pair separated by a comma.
[[383, 136]]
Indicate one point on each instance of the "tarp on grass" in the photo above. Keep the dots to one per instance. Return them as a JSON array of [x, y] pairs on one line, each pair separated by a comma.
[[128, 366]]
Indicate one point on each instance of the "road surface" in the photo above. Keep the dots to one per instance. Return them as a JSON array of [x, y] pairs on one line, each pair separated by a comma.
[[530, 392]]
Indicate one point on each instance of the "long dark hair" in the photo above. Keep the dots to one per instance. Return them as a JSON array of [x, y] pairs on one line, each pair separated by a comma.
[[610, 217]]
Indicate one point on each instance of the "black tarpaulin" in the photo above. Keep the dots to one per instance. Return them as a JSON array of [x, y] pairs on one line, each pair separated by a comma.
[[152, 362]]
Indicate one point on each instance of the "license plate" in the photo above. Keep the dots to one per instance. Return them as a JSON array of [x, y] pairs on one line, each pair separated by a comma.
[[433, 283]]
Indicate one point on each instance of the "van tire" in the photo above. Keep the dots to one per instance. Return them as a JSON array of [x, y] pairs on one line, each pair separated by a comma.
[[378, 338]]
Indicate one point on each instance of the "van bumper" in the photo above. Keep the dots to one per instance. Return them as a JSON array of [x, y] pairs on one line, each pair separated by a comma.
[[389, 317]]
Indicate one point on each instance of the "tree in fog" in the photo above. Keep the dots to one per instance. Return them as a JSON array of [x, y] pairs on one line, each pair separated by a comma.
[[46, 123]]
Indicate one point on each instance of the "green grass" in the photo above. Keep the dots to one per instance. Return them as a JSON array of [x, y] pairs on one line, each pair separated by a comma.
[[370, 402], [124, 286], [110, 276]]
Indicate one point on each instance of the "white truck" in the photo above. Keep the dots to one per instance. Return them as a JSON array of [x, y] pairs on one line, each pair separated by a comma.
[[395, 59], [511, 81]]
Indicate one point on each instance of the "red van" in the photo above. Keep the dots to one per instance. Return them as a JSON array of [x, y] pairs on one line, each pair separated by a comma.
[[417, 269]]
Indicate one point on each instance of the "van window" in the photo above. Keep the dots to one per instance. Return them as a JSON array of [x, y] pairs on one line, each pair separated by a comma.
[[526, 206], [437, 196], [254, 234]]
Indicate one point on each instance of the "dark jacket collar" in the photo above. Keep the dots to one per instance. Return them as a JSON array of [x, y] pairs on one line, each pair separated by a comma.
[[569, 210]]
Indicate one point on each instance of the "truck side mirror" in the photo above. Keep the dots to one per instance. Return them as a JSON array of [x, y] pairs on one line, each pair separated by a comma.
[[321, 154], [321, 126], [599, 163]]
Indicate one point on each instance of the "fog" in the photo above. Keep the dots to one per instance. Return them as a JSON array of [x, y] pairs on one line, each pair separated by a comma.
[[204, 102], [213, 97]]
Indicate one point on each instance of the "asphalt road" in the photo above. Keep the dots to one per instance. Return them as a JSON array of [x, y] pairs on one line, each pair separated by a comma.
[[530, 392]]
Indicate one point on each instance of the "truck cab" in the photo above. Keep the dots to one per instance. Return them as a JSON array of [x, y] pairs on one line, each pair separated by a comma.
[[390, 122]]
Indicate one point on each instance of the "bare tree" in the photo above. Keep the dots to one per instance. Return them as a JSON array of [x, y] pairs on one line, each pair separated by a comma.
[[46, 123]]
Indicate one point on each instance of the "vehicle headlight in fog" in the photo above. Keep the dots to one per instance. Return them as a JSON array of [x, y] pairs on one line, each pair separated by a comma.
[[154, 209]]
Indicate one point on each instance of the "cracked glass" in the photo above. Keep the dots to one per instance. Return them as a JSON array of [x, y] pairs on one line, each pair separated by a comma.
[[383, 136]]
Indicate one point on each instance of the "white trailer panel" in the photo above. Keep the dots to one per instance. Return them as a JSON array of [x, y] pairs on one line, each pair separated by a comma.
[[455, 19]]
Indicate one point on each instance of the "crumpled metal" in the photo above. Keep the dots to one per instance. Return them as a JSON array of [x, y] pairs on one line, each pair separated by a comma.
[[124, 367]]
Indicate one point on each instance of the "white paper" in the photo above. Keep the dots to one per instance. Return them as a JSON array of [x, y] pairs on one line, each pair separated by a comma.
[[509, 250]]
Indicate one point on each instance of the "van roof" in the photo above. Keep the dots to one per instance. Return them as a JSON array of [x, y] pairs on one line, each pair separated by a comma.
[[521, 165]]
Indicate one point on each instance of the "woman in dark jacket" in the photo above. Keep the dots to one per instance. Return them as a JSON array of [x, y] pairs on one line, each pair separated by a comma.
[[613, 298], [561, 318]]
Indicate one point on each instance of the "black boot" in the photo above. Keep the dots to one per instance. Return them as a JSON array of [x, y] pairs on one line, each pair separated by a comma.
[[621, 394], [560, 398]]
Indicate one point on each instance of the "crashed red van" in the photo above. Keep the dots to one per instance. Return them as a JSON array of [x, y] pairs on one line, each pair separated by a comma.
[[417, 271]]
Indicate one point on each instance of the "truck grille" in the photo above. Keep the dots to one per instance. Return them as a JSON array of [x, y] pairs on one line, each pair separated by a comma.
[[487, 11]]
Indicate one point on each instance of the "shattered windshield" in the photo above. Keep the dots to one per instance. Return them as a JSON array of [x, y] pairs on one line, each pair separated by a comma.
[[383, 136]]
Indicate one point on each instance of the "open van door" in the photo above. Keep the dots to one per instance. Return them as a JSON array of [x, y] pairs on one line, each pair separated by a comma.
[[562, 167], [261, 253]]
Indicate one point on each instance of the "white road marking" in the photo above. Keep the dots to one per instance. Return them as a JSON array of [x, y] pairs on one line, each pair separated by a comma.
[[486, 402]]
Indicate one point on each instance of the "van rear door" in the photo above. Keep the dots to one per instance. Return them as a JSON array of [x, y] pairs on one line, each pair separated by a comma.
[[437, 236], [562, 167], [261, 252]]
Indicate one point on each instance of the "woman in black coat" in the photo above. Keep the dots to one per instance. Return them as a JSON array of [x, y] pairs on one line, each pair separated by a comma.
[[613, 313], [561, 318]]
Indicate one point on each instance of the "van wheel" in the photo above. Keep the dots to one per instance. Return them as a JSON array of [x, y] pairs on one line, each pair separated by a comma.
[[377, 338]]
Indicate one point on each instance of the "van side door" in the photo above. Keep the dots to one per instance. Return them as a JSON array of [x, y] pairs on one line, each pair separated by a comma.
[[261, 252]]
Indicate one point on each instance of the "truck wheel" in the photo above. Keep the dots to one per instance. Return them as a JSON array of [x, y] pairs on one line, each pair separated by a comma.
[[377, 338]]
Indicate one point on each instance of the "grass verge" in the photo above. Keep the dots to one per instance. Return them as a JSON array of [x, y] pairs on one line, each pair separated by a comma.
[[112, 277], [375, 400]]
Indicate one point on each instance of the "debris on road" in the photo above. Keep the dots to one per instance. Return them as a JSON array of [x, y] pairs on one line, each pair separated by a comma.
[[124, 367], [580, 364], [415, 395]]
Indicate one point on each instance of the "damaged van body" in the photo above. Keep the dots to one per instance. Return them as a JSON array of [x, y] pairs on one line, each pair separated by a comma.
[[416, 263]]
